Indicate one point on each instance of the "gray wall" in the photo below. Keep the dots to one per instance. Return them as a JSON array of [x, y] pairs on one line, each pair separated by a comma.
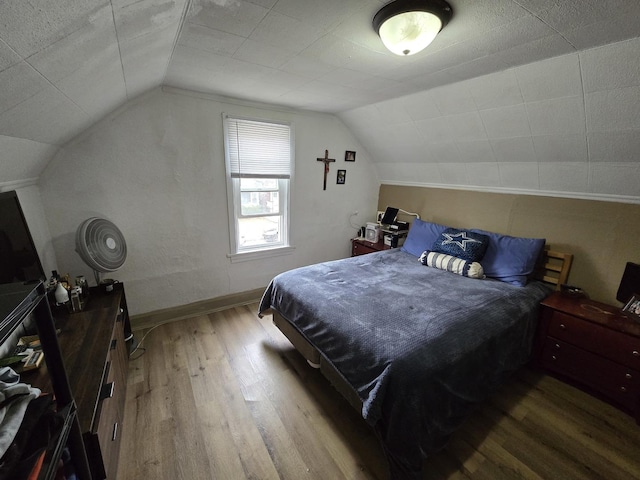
[[156, 169]]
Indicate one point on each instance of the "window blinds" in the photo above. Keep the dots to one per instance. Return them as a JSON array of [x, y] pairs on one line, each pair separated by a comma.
[[258, 149]]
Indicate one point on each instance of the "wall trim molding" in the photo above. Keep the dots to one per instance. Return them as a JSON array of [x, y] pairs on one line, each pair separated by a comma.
[[242, 103], [15, 184], [204, 307], [515, 191]]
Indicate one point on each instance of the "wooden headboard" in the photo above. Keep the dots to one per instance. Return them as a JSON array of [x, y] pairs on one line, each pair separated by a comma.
[[555, 267]]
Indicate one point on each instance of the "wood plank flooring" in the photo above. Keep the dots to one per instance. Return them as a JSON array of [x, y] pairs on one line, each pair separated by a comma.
[[225, 396]]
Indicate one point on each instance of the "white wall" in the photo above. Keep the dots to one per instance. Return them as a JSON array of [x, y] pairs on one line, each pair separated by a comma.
[[22, 161], [156, 169]]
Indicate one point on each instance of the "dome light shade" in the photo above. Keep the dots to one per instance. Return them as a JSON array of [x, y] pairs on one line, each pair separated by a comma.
[[407, 27]]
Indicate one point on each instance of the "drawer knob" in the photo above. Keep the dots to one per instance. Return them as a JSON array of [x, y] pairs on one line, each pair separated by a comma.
[[635, 353], [623, 389], [554, 358], [557, 346], [562, 326], [628, 376]]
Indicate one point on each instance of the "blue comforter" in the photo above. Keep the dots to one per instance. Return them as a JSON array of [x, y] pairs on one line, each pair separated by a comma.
[[418, 345]]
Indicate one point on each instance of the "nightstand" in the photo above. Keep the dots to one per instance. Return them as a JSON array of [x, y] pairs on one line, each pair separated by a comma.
[[359, 246], [593, 346]]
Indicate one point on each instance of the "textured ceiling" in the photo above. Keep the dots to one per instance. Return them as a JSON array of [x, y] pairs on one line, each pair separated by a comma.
[[64, 64]]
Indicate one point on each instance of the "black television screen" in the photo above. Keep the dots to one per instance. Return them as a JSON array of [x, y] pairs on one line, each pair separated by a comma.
[[19, 261]]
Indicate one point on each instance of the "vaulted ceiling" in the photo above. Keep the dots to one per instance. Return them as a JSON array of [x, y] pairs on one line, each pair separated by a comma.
[[64, 64]]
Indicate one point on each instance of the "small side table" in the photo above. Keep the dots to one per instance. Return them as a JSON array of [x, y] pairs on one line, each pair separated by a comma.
[[593, 346]]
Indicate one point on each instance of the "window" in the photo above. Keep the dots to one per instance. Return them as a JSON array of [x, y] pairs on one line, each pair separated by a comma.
[[259, 165]]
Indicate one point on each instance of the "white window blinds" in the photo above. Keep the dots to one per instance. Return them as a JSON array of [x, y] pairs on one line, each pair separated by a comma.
[[258, 149]]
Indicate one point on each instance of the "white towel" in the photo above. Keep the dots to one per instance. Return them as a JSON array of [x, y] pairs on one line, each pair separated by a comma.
[[12, 414]]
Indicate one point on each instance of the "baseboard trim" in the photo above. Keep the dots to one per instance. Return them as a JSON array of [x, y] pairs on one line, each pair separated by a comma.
[[203, 307]]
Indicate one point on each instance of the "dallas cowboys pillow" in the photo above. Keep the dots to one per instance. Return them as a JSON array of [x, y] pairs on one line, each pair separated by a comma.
[[463, 244]]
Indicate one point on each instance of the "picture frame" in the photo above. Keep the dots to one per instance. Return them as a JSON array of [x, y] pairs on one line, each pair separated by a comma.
[[632, 307], [349, 156], [341, 177]]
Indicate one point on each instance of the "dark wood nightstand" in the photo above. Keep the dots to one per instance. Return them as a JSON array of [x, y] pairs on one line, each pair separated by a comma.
[[591, 345], [360, 246]]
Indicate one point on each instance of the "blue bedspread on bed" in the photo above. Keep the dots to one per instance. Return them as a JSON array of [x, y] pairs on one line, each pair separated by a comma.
[[419, 345]]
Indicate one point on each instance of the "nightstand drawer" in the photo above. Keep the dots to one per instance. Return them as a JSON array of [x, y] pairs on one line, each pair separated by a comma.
[[360, 246], [360, 249], [617, 382], [613, 345]]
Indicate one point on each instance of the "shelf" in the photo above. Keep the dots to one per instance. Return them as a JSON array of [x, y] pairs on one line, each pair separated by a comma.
[[50, 466], [17, 302]]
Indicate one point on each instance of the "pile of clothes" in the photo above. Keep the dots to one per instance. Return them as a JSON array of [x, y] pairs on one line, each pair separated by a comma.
[[29, 427]]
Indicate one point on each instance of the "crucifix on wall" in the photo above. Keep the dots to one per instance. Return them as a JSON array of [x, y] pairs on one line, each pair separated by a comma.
[[326, 161]]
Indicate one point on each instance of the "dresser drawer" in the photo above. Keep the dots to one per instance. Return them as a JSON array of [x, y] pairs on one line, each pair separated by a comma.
[[104, 440], [603, 341], [108, 435], [618, 382]]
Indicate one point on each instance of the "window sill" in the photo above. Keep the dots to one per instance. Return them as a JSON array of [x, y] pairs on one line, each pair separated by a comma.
[[260, 254]]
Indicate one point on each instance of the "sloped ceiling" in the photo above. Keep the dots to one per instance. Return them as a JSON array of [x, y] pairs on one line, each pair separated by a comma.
[[64, 64], [565, 126]]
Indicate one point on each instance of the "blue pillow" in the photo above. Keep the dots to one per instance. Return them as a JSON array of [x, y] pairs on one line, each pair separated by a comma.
[[421, 237], [462, 244], [511, 259]]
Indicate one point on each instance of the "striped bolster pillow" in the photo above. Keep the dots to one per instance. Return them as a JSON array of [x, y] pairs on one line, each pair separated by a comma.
[[452, 264]]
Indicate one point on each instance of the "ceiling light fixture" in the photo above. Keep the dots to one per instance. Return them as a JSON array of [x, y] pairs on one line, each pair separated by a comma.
[[407, 26]]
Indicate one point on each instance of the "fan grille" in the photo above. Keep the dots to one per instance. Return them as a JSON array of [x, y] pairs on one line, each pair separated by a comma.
[[101, 244]]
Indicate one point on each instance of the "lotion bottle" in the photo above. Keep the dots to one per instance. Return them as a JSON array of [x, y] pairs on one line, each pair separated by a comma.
[[61, 294]]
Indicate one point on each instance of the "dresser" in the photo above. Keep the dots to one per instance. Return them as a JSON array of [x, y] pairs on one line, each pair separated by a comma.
[[96, 357], [593, 346]]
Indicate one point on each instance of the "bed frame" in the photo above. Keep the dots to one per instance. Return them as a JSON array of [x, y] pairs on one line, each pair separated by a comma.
[[553, 269]]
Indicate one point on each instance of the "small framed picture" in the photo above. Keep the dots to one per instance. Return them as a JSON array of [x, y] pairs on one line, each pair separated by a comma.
[[342, 176], [349, 156], [633, 307]]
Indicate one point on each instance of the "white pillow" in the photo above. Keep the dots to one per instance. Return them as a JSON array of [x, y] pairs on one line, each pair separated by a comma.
[[452, 264]]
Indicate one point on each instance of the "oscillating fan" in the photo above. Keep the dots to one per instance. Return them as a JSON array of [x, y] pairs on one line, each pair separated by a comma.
[[101, 245]]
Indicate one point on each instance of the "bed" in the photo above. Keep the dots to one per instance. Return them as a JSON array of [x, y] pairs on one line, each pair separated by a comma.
[[413, 347]]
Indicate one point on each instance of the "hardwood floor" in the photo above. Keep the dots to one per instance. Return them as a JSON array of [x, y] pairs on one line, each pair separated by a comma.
[[225, 396]]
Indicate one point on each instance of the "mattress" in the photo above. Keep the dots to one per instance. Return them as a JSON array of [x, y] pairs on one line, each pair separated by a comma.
[[418, 346]]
